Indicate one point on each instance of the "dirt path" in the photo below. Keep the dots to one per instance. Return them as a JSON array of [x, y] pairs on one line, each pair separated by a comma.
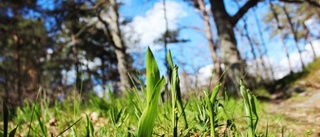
[[298, 116]]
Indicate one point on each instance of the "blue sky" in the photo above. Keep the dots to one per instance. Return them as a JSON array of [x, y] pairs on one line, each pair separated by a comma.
[[148, 24], [195, 54]]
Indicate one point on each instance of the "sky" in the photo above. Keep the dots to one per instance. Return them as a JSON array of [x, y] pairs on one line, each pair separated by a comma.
[[148, 24], [193, 57]]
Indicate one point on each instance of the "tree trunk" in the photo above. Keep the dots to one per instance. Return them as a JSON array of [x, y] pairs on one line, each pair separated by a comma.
[[294, 33], [275, 14], [120, 48], [212, 46], [259, 78], [76, 61], [230, 54], [265, 51], [17, 57], [308, 38]]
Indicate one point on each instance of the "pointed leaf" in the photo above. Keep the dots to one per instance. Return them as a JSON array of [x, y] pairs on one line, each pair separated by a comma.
[[13, 132], [215, 92], [5, 119]]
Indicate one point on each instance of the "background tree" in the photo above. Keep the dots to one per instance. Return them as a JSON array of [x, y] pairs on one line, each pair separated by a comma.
[[230, 55], [23, 50], [293, 29], [109, 16], [282, 36], [200, 5]]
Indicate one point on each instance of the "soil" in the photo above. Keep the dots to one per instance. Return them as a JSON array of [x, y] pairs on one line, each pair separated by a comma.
[[297, 116]]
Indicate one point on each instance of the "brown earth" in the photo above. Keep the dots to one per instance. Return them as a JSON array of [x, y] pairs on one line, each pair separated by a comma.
[[297, 116]]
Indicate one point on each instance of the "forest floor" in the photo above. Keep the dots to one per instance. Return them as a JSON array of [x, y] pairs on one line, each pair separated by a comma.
[[298, 115]]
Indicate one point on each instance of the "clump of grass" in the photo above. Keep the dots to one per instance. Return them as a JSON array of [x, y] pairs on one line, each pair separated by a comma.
[[212, 106], [249, 102], [176, 100]]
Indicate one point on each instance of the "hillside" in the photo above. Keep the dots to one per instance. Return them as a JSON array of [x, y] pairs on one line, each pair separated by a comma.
[[297, 112]]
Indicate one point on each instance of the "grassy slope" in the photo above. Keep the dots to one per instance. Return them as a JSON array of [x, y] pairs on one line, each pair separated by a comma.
[[299, 114], [308, 77]]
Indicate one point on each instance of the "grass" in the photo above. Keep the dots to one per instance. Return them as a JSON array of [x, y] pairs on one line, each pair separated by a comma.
[[154, 86], [140, 113]]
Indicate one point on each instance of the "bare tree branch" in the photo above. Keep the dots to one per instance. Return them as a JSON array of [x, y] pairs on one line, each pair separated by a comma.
[[243, 10], [316, 4], [194, 28], [311, 2], [292, 1]]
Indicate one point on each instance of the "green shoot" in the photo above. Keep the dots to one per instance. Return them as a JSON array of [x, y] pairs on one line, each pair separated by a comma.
[[176, 95], [43, 128], [5, 119], [69, 127], [211, 113], [250, 109], [89, 127], [13, 132], [154, 86]]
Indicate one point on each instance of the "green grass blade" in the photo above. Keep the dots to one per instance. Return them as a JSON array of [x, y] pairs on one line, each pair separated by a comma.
[[154, 86], [255, 116], [169, 57], [69, 127], [13, 132], [215, 92], [43, 129], [211, 113], [150, 113], [113, 112], [89, 127], [153, 74], [33, 110], [175, 87], [267, 130], [5, 119], [250, 110]]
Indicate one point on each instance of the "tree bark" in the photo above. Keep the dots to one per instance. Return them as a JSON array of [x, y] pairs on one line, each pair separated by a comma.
[[230, 54], [113, 27], [252, 45], [311, 2], [308, 38], [265, 51], [18, 43], [294, 33], [275, 14], [76, 61]]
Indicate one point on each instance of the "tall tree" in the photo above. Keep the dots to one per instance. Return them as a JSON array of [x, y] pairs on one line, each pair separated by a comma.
[[294, 33], [85, 42], [23, 47], [282, 36], [308, 38], [209, 35], [306, 12], [113, 32], [265, 51], [254, 52], [230, 55]]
